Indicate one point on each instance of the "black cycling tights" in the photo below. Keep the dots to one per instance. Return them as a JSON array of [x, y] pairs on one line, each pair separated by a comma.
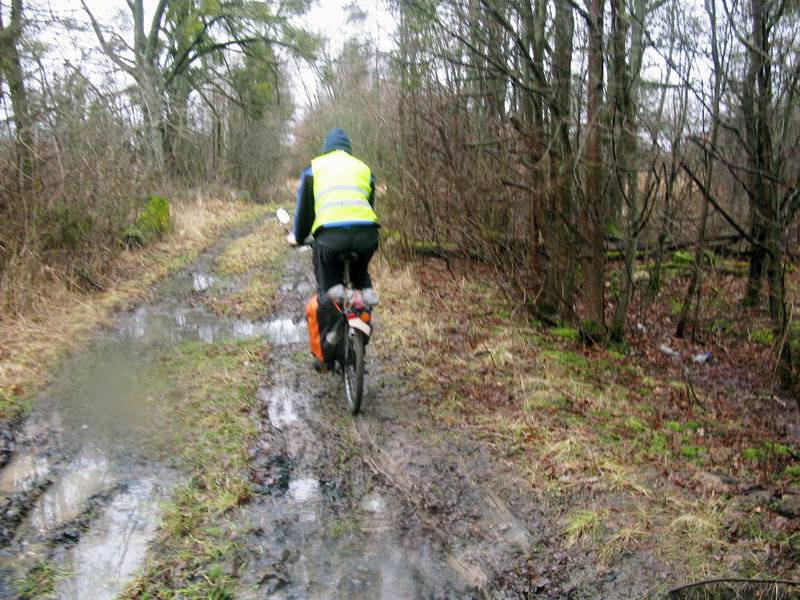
[[331, 243]]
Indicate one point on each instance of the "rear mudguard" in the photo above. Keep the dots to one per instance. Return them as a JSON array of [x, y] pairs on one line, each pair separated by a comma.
[[357, 323]]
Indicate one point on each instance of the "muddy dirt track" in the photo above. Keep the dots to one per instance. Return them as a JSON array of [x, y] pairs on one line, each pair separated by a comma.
[[387, 505]]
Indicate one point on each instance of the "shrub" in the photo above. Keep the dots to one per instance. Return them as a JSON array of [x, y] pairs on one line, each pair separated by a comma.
[[153, 222]]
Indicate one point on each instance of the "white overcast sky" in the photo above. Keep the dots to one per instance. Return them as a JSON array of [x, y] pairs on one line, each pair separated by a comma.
[[326, 17]]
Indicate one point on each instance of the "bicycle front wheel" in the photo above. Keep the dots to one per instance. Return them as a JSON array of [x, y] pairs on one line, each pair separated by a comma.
[[353, 370]]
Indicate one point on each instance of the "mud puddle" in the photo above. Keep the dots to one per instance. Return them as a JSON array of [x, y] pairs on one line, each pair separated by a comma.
[[83, 484], [166, 324], [357, 508], [108, 554], [315, 531]]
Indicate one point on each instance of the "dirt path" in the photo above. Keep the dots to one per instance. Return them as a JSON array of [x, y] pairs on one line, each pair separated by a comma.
[[381, 506], [80, 491], [387, 505]]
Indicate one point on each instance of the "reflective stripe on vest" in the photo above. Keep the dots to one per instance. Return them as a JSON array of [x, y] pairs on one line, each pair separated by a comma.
[[341, 190]]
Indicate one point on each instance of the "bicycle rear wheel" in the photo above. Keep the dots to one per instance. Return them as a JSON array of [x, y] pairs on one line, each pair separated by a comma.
[[353, 369]]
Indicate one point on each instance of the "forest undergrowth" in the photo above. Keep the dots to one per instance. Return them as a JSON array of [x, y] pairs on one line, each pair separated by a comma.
[[639, 452]]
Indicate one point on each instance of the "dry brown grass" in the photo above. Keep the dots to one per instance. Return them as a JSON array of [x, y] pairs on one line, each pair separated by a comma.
[[259, 249], [33, 342], [581, 425]]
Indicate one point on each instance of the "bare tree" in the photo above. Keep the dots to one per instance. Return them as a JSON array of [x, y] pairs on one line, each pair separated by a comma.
[[11, 69], [163, 55]]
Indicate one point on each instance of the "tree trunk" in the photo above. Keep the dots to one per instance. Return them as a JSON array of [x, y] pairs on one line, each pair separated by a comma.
[[11, 66], [625, 184], [755, 275], [177, 159], [595, 205], [691, 303], [562, 263], [769, 200], [151, 98], [752, 119]]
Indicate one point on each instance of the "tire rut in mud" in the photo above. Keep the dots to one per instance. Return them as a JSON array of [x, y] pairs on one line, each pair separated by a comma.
[[79, 486], [383, 505]]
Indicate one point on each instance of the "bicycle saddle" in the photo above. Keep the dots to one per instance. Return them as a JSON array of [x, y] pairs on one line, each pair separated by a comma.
[[348, 256]]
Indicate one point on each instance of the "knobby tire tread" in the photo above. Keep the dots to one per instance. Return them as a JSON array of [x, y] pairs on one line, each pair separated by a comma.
[[354, 389]]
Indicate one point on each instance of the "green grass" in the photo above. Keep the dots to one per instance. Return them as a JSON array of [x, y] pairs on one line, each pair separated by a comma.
[[343, 527], [253, 301], [762, 336], [213, 408], [682, 258], [566, 358], [582, 525], [568, 333], [570, 411], [767, 451], [635, 425], [259, 256], [681, 427], [792, 471], [658, 444], [10, 406], [40, 582], [690, 452]]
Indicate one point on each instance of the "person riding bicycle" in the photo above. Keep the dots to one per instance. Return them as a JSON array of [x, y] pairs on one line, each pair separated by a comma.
[[336, 204]]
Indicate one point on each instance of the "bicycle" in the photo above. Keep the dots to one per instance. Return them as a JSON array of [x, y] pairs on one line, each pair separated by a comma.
[[356, 318], [352, 332]]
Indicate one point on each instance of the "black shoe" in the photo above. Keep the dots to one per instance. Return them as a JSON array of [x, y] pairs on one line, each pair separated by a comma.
[[322, 367]]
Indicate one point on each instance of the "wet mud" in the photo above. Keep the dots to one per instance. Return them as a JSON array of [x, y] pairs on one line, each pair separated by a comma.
[[82, 477], [387, 505]]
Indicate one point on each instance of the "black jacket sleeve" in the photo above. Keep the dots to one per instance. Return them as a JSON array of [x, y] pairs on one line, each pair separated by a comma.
[[304, 211], [372, 191]]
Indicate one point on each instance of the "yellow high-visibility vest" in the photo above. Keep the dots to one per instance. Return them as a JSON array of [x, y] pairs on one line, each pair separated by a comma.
[[341, 190]]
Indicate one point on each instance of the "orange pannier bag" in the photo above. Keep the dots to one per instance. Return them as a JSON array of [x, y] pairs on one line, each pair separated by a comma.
[[322, 319], [314, 337]]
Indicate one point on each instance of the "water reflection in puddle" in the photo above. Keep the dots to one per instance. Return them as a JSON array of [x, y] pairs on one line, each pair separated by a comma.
[[99, 404], [159, 325], [201, 282], [302, 287], [285, 331], [373, 503], [282, 404], [23, 470], [305, 288], [396, 577], [108, 554], [304, 490], [66, 498]]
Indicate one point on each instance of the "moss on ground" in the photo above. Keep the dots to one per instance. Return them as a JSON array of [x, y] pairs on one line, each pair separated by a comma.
[[154, 221]]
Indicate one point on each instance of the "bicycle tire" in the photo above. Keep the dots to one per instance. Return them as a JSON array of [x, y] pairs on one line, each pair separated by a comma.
[[353, 370]]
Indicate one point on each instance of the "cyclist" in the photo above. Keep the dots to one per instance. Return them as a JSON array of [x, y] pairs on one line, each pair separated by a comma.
[[336, 204]]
